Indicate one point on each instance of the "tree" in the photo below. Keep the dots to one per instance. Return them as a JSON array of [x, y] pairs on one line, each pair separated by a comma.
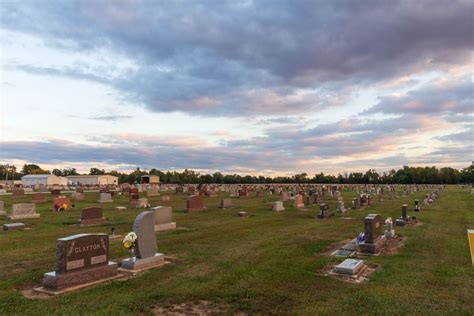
[[28, 169], [96, 171], [57, 172]]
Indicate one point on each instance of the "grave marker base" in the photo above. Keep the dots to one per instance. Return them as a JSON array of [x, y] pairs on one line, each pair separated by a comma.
[[135, 266], [163, 227], [53, 282]]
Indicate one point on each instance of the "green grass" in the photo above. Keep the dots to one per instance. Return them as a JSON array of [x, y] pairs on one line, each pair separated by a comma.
[[267, 263]]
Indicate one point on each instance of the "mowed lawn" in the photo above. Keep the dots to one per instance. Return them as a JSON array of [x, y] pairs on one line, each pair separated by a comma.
[[267, 263]]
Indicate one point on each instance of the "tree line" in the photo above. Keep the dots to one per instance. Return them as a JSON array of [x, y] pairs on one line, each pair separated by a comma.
[[405, 175]]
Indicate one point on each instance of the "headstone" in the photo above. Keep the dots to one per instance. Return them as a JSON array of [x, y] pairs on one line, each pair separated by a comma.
[[133, 198], [78, 196], [242, 214], [142, 203], [226, 203], [195, 203], [324, 211], [38, 198], [23, 210], [145, 254], [165, 198], [278, 206], [417, 206], [105, 198], [120, 208], [18, 193], [14, 226], [284, 196], [373, 234], [55, 192], [163, 218], [340, 207], [80, 259], [298, 201], [91, 216], [2, 209], [404, 219], [349, 266], [152, 191]]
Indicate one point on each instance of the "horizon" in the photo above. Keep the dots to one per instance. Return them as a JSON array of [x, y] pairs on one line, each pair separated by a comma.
[[267, 88]]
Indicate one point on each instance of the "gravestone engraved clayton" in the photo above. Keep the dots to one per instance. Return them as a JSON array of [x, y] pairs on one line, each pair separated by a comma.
[[91, 216], [38, 198], [195, 203], [105, 198], [163, 218], [24, 210], [2, 209], [226, 203], [373, 234], [145, 253], [80, 259]]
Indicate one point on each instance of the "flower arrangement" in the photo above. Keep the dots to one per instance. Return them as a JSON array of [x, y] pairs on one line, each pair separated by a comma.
[[62, 207], [130, 242]]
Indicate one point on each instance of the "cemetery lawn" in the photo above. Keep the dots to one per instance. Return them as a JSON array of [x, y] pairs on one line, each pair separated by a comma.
[[268, 263]]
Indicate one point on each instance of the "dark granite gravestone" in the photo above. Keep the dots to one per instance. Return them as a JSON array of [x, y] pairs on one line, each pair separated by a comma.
[[55, 192], [195, 203], [91, 216], [38, 198], [324, 211], [417, 206], [404, 219], [373, 234], [80, 259], [145, 253]]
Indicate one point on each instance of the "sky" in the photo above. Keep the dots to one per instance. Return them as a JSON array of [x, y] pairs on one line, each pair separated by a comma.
[[266, 87]]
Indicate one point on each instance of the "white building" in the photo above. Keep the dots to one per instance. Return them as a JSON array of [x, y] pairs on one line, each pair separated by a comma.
[[93, 179], [43, 179]]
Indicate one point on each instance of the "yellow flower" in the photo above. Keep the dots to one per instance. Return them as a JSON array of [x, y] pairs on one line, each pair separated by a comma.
[[127, 244], [65, 206]]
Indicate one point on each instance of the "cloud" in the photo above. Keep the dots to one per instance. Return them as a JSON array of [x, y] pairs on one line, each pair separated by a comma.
[[235, 58], [110, 117]]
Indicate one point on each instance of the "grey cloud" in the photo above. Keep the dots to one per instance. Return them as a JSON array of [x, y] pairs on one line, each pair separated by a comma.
[[216, 51], [454, 98]]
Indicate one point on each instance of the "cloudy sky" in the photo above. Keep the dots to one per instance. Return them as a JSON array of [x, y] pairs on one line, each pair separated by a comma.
[[263, 87]]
